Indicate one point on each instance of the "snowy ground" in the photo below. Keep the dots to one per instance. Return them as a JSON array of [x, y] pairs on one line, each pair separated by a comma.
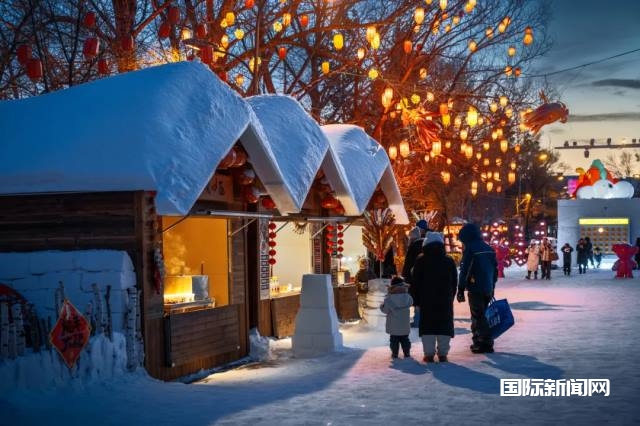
[[578, 327]]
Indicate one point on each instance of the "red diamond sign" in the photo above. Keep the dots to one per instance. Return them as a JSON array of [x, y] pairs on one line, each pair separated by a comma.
[[70, 334]]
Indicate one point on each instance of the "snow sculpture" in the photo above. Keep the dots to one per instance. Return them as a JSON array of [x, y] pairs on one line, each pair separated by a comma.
[[625, 262], [317, 322]]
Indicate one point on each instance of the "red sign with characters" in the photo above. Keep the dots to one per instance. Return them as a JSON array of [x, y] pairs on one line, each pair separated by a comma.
[[70, 334]]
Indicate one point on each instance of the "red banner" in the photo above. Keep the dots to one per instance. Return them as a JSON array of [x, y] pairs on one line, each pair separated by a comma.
[[70, 334]]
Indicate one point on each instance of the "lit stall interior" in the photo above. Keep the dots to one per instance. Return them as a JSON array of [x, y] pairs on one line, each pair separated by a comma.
[[293, 258], [354, 249], [605, 232], [196, 258]]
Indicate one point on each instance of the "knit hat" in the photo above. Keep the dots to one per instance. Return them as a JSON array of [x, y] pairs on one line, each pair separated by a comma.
[[397, 280], [414, 234], [433, 237], [422, 224]]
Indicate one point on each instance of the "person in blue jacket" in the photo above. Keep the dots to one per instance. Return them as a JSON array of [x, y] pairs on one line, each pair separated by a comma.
[[478, 275]]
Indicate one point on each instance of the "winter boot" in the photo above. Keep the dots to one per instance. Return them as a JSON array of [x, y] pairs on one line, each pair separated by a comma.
[[442, 358], [428, 358], [535, 275], [528, 275]]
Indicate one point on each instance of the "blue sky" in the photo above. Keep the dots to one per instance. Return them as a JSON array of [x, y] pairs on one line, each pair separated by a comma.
[[603, 99]]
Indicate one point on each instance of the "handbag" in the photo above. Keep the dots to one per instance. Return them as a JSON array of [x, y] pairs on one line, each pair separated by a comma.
[[499, 317]]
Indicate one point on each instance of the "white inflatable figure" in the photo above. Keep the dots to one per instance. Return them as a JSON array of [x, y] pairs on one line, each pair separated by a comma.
[[606, 189]]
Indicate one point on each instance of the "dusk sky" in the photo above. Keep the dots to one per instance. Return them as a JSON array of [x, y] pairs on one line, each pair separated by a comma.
[[603, 99]]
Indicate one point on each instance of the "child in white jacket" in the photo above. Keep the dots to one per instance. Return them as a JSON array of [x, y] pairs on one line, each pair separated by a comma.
[[396, 305]]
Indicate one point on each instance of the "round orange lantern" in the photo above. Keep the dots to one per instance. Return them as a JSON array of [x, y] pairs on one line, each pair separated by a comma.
[[304, 20], [282, 52], [248, 4], [228, 160], [408, 46], [329, 202], [268, 203]]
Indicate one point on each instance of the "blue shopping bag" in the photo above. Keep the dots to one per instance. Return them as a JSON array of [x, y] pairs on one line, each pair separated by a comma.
[[499, 316]]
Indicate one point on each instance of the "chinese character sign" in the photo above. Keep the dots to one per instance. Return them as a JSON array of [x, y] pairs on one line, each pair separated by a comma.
[[70, 334], [549, 387]]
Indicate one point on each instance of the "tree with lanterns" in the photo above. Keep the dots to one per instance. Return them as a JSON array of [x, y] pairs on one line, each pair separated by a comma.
[[442, 85]]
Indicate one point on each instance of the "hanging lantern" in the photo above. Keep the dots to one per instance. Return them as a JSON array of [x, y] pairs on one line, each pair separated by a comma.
[[493, 107], [446, 177], [103, 67], [407, 46], [473, 45], [504, 101], [239, 33], [501, 27], [511, 51], [508, 70], [248, 4], [504, 145], [206, 54], [436, 148], [173, 14], [201, 31], [499, 132], [456, 20], [393, 152], [489, 32], [24, 53], [230, 18], [443, 4], [418, 15], [268, 203], [34, 69], [90, 48], [496, 176], [511, 177], [508, 112], [528, 36], [373, 74], [338, 41], [224, 41], [89, 20], [427, 157], [468, 152], [430, 97], [405, 149], [387, 97], [444, 109], [485, 145], [282, 52], [375, 43], [304, 20], [516, 148], [447, 144], [472, 117], [457, 122], [165, 30], [489, 186], [277, 26], [446, 120], [517, 72], [127, 43], [272, 242], [286, 19], [360, 53], [250, 194], [239, 80], [463, 134], [423, 73], [513, 165], [325, 67], [415, 99], [329, 202], [371, 32], [186, 34], [449, 161]]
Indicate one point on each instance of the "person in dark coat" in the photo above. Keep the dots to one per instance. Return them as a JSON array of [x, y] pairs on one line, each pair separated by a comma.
[[435, 278], [416, 238], [566, 258], [582, 255], [478, 275], [637, 256], [589, 246]]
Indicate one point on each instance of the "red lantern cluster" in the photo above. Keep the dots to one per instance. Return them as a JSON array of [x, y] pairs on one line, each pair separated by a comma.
[[330, 240], [340, 241], [236, 157], [272, 243], [33, 66]]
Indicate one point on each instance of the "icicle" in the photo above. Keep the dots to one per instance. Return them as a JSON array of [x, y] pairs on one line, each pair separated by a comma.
[[4, 330], [107, 303], [19, 322], [99, 311], [130, 333]]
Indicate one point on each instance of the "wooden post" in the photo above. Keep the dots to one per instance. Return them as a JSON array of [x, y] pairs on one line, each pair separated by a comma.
[[130, 333], [16, 310], [4, 330], [34, 328]]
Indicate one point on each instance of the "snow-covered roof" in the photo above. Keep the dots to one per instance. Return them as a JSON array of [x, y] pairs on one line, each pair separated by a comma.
[[161, 129], [298, 145], [364, 164]]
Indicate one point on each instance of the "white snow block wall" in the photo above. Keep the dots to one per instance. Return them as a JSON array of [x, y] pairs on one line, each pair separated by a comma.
[[378, 288], [317, 322], [36, 275]]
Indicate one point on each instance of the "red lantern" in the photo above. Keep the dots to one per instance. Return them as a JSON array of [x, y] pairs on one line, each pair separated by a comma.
[[24, 53], [34, 69], [165, 30], [304, 20], [272, 235], [127, 43], [250, 195], [241, 158], [248, 4], [89, 20], [228, 160], [329, 202], [272, 242], [282, 52], [91, 48], [201, 31], [272, 252], [206, 54], [407, 46], [103, 66], [267, 203], [340, 228], [272, 261], [173, 14], [330, 228], [272, 226], [339, 209]]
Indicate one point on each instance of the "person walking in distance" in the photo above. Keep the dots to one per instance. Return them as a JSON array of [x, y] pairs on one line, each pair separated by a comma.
[[581, 254], [435, 277], [545, 258], [414, 250], [533, 259], [478, 275], [589, 247], [396, 305], [566, 258]]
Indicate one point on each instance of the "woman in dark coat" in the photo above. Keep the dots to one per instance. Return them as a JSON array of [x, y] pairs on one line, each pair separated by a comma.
[[435, 279], [582, 255]]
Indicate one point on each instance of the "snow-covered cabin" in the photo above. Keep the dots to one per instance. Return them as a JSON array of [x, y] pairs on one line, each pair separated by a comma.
[[163, 180]]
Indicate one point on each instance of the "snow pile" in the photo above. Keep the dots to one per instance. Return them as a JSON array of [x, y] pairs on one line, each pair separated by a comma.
[[100, 361], [161, 129], [259, 346]]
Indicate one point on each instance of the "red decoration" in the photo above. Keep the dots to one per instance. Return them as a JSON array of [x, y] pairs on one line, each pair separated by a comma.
[[173, 14], [89, 20], [206, 54], [248, 4], [103, 67], [165, 30], [272, 242], [222, 76], [268, 203], [329, 202], [304, 20], [24, 53], [127, 43], [228, 160], [250, 194], [272, 225], [246, 177], [34, 69], [625, 263], [201, 30], [241, 158], [339, 210], [272, 261], [282, 52], [91, 48], [272, 252], [70, 334]]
